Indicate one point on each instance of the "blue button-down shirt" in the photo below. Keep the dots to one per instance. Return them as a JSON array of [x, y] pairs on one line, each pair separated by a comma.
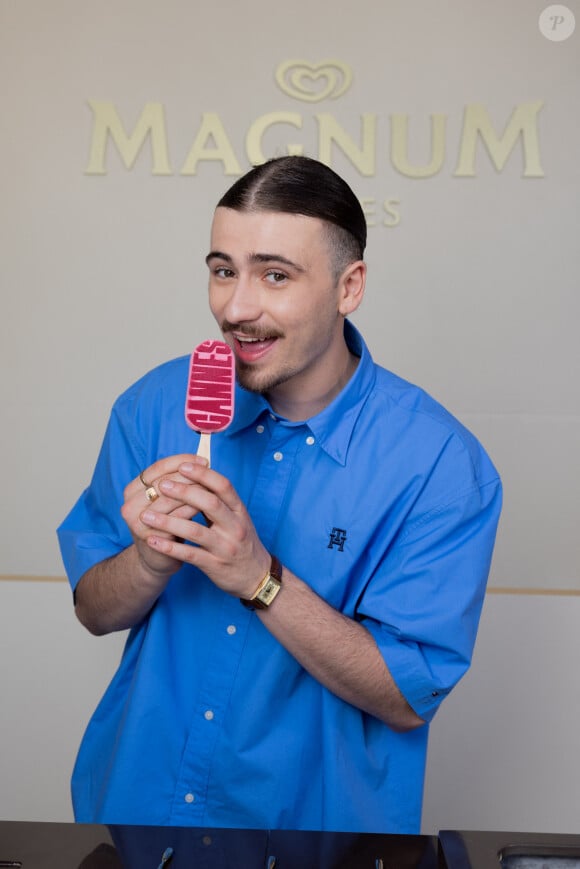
[[387, 507]]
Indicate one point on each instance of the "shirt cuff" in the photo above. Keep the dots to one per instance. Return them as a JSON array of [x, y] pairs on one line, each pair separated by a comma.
[[410, 671]]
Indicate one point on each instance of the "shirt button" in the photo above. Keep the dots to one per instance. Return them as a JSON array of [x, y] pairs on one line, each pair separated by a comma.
[[309, 440], [231, 629], [278, 457], [208, 715], [260, 429], [189, 798], [207, 840]]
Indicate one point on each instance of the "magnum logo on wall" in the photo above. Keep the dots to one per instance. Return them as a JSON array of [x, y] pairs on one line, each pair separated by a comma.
[[313, 83]]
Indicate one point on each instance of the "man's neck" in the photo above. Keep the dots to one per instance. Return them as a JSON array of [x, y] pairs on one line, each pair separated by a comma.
[[290, 403]]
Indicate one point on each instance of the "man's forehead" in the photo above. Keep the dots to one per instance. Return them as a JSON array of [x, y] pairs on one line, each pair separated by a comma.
[[247, 233]]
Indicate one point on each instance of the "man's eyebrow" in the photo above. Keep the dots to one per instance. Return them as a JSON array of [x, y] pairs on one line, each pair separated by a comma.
[[256, 258], [217, 254], [275, 257]]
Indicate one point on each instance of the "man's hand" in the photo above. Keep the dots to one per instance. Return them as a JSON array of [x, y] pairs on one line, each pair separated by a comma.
[[228, 550], [135, 502]]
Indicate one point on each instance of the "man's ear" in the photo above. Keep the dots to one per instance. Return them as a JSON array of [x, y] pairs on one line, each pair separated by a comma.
[[352, 287]]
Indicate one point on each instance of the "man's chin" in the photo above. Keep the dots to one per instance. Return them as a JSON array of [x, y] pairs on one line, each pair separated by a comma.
[[258, 382], [251, 383]]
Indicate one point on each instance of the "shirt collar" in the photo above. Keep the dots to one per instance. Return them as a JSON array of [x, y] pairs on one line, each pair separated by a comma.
[[333, 426]]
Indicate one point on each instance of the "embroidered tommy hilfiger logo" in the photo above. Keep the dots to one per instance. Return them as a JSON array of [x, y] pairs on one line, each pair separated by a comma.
[[337, 538]]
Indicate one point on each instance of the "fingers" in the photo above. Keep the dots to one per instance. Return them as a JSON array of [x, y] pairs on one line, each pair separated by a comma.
[[143, 492], [218, 505], [227, 550], [211, 481], [214, 497], [172, 527], [151, 475]]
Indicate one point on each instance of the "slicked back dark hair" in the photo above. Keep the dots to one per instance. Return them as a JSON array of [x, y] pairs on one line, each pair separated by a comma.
[[302, 185]]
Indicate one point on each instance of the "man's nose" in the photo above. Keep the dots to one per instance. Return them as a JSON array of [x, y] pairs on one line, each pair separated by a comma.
[[244, 302]]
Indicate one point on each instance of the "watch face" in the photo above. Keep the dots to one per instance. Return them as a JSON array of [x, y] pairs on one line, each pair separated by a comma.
[[269, 588], [269, 592]]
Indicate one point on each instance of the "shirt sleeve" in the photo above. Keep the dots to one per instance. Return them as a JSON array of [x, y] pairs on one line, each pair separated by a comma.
[[423, 603], [94, 529]]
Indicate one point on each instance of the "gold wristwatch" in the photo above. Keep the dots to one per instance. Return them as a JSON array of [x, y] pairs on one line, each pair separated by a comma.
[[267, 589]]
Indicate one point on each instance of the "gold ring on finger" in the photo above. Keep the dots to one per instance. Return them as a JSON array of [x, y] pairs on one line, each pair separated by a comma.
[[151, 492]]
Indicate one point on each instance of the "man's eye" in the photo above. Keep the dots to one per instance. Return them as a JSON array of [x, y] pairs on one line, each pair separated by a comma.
[[223, 272], [276, 277]]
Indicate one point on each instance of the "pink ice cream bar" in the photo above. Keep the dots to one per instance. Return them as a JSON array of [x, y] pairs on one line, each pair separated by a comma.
[[209, 402]]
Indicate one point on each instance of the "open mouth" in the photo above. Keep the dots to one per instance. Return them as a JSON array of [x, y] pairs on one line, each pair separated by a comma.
[[250, 349]]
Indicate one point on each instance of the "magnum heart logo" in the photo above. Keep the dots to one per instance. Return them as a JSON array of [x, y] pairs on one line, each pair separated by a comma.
[[313, 82]]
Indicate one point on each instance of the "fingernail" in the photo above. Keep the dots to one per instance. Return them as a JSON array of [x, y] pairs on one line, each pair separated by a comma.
[[148, 516], [166, 485]]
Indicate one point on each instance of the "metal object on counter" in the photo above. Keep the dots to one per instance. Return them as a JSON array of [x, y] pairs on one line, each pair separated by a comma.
[[488, 850]]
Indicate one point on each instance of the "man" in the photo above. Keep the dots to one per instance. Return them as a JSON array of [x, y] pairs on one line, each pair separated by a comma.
[[350, 509]]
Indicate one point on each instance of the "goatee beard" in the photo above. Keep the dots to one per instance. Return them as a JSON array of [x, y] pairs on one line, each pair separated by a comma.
[[252, 381]]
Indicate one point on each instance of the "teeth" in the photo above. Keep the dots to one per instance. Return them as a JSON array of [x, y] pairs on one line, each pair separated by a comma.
[[251, 340]]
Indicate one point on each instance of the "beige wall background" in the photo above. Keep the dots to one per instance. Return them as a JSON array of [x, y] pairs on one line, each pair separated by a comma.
[[458, 126]]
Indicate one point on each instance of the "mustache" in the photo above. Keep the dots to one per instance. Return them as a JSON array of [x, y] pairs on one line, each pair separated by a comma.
[[249, 331]]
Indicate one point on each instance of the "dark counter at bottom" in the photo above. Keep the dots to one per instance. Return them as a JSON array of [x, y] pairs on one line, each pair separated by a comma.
[[35, 845], [85, 846]]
